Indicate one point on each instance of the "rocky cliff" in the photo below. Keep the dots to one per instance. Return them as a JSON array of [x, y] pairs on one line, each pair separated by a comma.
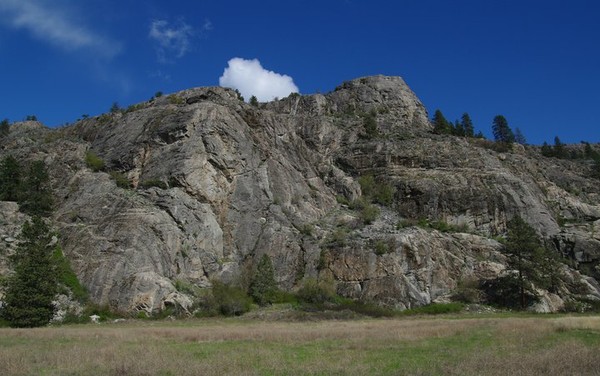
[[215, 183]]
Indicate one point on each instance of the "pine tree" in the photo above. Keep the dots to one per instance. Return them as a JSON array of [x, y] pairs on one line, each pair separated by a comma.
[[4, 128], [596, 169], [501, 130], [440, 124], [546, 150], [114, 108], [458, 129], [519, 137], [36, 197], [32, 287], [527, 257], [10, 179], [559, 148], [467, 125], [254, 101], [370, 126], [263, 286]]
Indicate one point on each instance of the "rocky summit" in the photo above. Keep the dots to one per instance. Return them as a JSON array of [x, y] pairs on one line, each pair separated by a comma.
[[198, 185]]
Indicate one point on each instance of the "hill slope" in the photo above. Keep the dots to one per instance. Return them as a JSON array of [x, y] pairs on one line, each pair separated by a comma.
[[217, 183]]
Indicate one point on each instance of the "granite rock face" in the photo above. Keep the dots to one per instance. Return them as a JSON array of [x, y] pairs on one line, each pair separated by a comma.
[[216, 183]]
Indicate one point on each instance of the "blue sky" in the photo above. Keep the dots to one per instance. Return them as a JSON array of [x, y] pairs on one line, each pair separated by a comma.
[[535, 62]]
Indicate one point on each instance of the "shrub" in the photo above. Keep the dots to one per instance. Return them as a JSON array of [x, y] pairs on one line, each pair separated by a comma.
[[323, 259], [468, 291], [254, 101], [94, 162], [175, 99], [506, 292], [186, 288], [384, 194], [307, 229], [381, 247], [338, 237], [154, 183], [341, 199], [367, 185], [379, 192], [317, 292], [370, 126], [67, 277], [365, 308], [158, 94], [230, 300], [134, 107], [435, 309], [369, 214], [263, 286], [120, 179], [404, 223], [115, 108]]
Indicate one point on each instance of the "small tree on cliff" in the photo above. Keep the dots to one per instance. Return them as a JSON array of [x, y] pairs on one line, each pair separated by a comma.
[[531, 264], [10, 179], [36, 196], [501, 130], [4, 128], [263, 287], [30, 290], [440, 124]]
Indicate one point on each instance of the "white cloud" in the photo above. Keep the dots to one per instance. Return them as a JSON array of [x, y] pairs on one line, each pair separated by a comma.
[[55, 24], [250, 78], [171, 41]]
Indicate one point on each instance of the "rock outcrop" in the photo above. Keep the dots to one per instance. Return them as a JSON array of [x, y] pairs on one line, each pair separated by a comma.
[[216, 183]]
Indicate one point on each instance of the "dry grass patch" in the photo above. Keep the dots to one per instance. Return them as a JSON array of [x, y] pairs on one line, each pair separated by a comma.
[[466, 346]]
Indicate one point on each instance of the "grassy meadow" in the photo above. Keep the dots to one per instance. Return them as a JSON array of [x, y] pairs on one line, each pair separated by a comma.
[[440, 345]]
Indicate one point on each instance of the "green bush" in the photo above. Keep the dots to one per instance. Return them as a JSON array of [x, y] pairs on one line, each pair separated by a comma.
[[187, 288], [230, 300], [323, 259], [307, 229], [370, 126], [364, 308], [435, 309], [381, 247], [338, 237], [120, 179], [341, 199], [468, 291], [384, 195], [317, 291], [367, 185], [175, 99], [506, 292], [153, 183], [376, 191], [263, 286], [369, 214], [94, 162], [67, 277]]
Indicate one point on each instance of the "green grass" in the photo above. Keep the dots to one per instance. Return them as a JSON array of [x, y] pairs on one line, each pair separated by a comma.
[[422, 345]]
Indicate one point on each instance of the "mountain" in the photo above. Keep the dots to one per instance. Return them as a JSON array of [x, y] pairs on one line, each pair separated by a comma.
[[351, 186]]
